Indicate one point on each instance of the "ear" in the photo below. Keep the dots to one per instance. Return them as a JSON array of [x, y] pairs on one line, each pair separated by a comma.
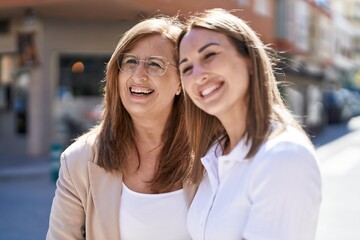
[[178, 91]]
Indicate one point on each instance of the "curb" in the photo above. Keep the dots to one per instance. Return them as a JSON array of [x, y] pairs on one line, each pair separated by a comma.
[[326, 151], [29, 171]]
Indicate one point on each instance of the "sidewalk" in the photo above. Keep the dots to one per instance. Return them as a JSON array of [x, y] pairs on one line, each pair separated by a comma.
[[340, 166], [23, 166], [26, 193]]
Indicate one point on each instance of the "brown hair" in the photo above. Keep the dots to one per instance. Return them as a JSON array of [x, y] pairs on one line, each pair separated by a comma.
[[116, 138], [265, 103]]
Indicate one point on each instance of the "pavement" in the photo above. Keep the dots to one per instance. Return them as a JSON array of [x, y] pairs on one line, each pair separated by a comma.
[[27, 189], [340, 167], [26, 192], [23, 166]]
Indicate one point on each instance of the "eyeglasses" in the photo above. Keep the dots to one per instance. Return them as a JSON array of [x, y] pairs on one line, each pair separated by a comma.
[[155, 66]]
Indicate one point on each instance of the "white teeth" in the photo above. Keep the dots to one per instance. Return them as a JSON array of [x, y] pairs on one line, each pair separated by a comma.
[[141, 90], [209, 90]]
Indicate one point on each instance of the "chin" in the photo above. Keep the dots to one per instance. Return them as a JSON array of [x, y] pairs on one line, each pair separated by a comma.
[[211, 112]]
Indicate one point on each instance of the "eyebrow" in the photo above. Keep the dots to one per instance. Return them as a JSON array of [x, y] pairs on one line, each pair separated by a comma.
[[201, 49], [206, 46]]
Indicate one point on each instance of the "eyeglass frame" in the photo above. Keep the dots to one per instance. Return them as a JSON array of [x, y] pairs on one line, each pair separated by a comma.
[[166, 61]]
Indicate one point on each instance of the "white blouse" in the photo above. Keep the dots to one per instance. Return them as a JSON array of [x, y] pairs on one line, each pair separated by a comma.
[[153, 216], [275, 195]]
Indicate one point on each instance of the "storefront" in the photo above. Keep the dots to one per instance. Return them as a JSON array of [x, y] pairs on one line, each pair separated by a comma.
[[303, 93], [39, 75]]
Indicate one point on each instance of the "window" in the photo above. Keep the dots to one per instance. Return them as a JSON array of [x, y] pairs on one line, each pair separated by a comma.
[[242, 2], [302, 26], [82, 75], [262, 7], [7, 70]]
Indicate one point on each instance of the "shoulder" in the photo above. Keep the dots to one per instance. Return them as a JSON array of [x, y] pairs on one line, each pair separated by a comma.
[[288, 142], [83, 148], [77, 156], [288, 153], [284, 180]]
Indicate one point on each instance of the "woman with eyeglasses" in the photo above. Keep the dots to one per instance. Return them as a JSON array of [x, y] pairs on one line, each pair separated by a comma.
[[127, 177]]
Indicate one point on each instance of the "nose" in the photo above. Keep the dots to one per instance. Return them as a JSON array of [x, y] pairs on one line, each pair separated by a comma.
[[200, 74], [140, 72]]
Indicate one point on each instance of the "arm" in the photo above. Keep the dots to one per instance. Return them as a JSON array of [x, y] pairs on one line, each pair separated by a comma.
[[285, 192], [67, 217]]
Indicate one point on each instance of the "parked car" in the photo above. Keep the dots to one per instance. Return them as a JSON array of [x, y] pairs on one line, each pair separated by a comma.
[[341, 104]]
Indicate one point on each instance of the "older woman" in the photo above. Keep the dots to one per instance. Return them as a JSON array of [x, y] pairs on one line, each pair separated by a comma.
[[127, 177]]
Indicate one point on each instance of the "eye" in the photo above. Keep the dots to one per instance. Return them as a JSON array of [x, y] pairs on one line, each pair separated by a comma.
[[155, 63], [130, 61], [186, 70], [209, 55]]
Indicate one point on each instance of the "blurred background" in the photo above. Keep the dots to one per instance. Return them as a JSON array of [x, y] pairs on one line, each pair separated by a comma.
[[52, 60]]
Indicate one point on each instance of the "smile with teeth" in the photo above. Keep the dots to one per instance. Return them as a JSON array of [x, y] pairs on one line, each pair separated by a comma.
[[209, 90], [141, 91]]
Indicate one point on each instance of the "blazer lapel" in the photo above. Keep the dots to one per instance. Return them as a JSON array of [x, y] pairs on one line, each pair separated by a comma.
[[106, 191]]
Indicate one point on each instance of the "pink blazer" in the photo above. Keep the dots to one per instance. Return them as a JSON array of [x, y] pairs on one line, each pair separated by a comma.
[[88, 197]]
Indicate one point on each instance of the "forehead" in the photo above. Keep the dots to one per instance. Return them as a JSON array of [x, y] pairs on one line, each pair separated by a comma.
[[153, 46], [198, 37]]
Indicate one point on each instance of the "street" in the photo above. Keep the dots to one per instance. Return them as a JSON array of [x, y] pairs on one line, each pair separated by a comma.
[[26, 190]]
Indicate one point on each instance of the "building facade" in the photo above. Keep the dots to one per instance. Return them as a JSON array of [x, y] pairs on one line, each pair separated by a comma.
[[305, 42], [348, 44], [33, 77], [53, 55]]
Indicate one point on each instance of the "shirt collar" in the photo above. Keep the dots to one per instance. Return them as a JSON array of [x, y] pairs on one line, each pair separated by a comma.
[[210, 158], [238, 153]]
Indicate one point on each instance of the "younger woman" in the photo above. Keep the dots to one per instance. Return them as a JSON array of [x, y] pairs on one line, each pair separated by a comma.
[[261, 179]]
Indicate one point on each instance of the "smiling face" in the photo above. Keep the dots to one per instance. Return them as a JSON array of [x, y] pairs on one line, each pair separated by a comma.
[[214, 74], [143, 95]]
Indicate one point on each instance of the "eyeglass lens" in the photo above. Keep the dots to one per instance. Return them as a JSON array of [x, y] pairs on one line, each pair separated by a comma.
[[155, 66]]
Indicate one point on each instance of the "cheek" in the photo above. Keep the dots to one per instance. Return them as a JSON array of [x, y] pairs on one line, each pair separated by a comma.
[[170, 81], [123, 79]]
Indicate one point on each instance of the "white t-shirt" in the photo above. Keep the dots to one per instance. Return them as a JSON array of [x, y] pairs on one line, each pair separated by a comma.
[[275, 195], [153, 216]]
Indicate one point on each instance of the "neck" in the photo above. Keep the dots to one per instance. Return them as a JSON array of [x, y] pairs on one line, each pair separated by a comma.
[[235, 127], [149, 131], [144, 159]]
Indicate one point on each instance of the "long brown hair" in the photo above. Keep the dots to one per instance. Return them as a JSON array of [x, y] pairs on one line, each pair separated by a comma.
[[116, 139], [265, 103]]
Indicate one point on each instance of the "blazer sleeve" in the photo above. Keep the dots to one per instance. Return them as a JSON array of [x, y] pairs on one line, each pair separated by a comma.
[[67, 217]]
